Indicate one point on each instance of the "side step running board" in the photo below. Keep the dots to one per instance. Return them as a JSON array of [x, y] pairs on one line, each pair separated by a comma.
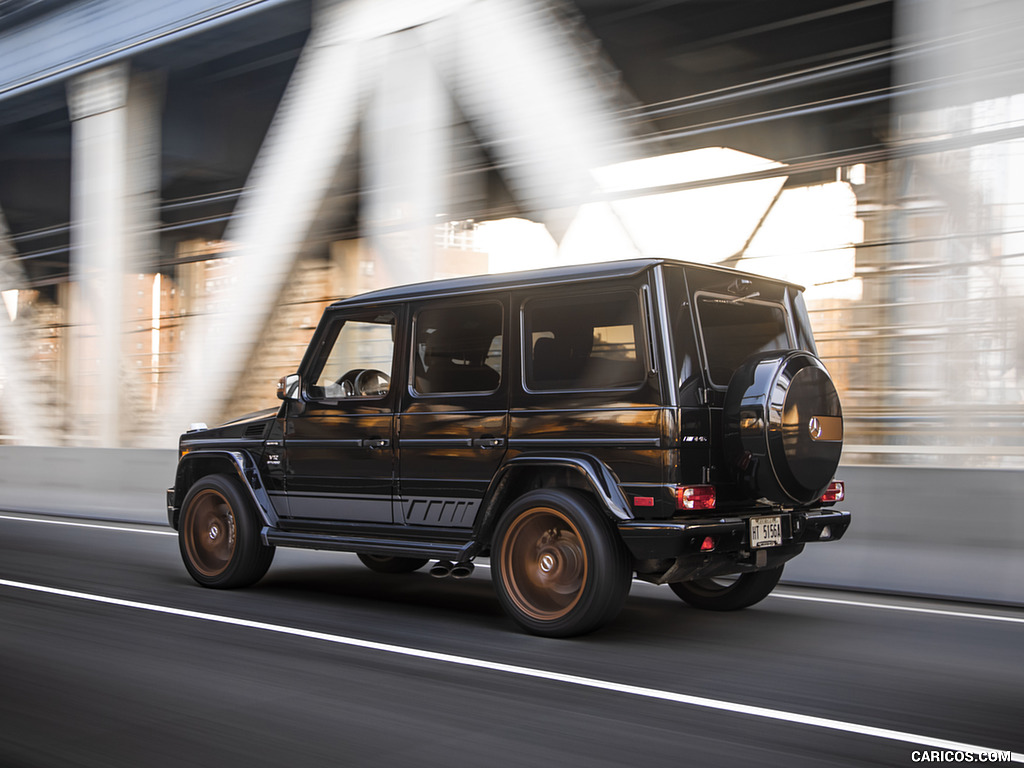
[[370, 545]]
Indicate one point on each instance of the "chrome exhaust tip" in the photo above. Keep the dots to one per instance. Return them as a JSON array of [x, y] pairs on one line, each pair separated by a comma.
[[462, 570], [441, 569]]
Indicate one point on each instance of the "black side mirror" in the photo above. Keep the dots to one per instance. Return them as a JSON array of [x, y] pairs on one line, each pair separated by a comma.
[[288, 387]]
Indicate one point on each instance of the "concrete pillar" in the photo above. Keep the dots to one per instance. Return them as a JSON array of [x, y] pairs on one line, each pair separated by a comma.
[[114, 193], [96, 103]]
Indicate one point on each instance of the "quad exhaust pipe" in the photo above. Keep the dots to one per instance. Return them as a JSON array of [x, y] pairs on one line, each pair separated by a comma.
[[444, 568], [440, 569], [462, 570]]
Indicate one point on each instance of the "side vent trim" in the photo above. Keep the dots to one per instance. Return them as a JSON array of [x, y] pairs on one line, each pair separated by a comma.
[[255, 430]]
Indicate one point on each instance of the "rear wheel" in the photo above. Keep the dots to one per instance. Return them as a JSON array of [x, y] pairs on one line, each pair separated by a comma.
[[557, 565], [386, 564], [218, 535], [728, 593]]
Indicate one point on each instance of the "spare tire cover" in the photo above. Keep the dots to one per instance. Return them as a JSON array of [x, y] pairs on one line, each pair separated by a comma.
[[783, 426]]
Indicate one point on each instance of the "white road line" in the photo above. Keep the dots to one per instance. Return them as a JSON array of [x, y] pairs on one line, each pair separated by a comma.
[[100, 526], [512, 669], [905, 608], [485, 566], [865, 604]]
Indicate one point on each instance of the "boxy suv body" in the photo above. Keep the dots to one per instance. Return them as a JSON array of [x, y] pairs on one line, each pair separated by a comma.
[[578, 425]]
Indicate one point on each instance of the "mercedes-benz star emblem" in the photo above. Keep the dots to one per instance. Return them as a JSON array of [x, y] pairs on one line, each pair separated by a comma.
[[814, 426]]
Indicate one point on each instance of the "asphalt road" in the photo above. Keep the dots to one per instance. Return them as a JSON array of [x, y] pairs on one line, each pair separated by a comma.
[[111, 656]]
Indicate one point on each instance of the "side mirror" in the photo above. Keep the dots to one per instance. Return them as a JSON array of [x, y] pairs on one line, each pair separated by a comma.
[[288, 387]]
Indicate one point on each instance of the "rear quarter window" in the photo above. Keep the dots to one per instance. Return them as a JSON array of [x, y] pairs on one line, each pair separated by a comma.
[[732, 330], [576, 343]]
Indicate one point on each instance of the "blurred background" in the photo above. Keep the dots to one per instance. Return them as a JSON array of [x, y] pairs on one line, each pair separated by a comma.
[[184, 186]]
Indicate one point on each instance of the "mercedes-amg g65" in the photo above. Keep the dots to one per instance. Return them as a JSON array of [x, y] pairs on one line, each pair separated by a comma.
[[580, 426]]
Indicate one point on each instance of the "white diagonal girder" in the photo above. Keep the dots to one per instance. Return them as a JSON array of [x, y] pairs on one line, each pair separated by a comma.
[[504, 63]]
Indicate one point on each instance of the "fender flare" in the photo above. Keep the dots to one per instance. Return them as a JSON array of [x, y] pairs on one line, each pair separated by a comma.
[[245, 471], [600, 479]]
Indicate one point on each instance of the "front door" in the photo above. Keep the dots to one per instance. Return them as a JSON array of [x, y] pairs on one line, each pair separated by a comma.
[[454, 422], [339, 441]]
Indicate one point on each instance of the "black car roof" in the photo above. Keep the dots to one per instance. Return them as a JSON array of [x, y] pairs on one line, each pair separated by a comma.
[[535, 277]]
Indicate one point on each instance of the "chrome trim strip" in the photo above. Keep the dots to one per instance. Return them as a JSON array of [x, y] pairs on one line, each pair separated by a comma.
[[613, 442], [419, 442]]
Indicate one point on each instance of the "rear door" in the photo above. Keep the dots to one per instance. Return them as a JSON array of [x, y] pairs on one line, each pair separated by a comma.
[[454, 421], [590, 382]]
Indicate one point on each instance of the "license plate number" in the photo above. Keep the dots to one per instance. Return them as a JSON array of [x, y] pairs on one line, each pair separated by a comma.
[[765, 532]]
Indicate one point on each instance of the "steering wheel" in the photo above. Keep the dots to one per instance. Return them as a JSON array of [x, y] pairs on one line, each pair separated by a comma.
[[347, 383], [372, 383]]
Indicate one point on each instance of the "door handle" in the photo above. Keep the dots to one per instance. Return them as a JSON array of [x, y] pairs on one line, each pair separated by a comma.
[[488, 442], [375, 442]]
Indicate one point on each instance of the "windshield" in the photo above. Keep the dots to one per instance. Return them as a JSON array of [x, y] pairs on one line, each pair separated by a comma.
[[734, 329]]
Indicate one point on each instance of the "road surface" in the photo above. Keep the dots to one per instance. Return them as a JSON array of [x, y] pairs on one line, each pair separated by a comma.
[[111, 656]]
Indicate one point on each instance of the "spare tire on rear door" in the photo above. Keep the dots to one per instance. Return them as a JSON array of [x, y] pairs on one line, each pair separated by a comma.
[[783, 426]]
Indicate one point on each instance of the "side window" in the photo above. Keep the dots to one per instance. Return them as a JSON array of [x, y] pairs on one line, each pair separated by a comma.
[[583, 342], [355, 361], [458, 349]]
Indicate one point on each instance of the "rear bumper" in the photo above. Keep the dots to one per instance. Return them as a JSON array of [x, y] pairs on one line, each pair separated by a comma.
[[671, 539]]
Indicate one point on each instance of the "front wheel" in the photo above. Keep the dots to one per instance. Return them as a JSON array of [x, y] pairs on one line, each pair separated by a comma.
[[219, 537], [557, 565], [728, 593]]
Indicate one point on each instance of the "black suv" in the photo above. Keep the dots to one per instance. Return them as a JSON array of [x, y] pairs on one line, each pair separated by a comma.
[[578, 425]]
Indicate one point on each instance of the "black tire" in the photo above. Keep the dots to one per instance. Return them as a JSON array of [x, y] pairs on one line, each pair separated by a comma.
[[557, 564], [219, 535], [386, 564], [729, 593]]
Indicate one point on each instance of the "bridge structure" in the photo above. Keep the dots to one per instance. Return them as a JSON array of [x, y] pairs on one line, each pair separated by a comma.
[[184, 185], [181, 184]]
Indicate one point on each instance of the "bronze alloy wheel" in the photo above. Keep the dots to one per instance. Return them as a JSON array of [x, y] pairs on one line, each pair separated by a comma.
[[219, 535], [544, 563], [558, 567], [210, 534]]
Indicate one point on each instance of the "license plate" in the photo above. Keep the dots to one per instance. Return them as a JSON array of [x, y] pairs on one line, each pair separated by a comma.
[[765, 532]]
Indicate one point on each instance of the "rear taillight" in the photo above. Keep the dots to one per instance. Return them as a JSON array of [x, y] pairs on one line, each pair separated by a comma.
[[695, 497], [836, 492]]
